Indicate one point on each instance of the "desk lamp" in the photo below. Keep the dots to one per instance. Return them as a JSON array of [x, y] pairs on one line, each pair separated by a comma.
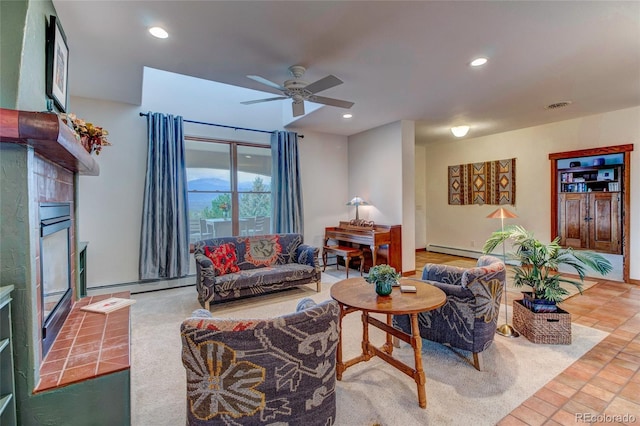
[[357, 201]]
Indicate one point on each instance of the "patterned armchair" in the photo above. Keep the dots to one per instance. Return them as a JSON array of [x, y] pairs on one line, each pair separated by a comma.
[[262, 371], [469, 317]]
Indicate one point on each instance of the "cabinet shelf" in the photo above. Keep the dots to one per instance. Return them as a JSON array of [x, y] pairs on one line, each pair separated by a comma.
[[4, 402], [588, 192], [589, 168], [7, 385], [590, 179]]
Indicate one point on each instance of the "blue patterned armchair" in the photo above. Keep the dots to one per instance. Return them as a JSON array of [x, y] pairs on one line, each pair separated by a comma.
[[469, 317], [262, 371]]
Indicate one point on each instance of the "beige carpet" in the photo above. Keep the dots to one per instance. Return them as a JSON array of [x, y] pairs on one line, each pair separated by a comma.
[[370, 393]]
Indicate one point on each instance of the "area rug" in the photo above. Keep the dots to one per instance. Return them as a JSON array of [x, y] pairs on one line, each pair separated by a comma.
[[370, 393]]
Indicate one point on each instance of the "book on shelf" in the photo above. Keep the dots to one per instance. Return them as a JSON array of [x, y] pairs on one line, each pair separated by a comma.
[[108, 305]]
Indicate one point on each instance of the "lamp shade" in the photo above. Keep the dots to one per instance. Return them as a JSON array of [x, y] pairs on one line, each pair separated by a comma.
[[502, 213], [357, 201]]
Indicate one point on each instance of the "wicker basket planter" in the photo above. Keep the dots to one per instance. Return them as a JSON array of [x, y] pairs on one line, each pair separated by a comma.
[[552, 328]]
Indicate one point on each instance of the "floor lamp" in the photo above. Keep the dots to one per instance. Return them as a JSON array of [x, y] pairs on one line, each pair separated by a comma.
[[505, 329]]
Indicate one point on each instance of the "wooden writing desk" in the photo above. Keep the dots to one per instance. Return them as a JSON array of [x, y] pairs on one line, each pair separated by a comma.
[[372, 239]]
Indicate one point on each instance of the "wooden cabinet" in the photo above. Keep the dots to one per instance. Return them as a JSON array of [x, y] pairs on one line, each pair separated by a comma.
[[590, 221], [589, 207], [7, 384]]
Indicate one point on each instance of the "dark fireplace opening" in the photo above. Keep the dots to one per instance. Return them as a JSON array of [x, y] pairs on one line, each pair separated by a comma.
[[55, 269]]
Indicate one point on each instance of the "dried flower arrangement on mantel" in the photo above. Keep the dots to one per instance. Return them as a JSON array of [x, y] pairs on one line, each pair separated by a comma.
[[92, 137]]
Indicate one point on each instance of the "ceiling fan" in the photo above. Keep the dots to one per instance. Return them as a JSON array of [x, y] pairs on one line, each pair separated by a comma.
[[299, 90]]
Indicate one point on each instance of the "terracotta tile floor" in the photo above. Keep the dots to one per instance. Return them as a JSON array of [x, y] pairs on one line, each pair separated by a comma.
[[88, 345], [606, 380]]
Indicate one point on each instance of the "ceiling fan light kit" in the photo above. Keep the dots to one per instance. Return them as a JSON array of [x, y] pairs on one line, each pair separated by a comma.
[[299, 90]]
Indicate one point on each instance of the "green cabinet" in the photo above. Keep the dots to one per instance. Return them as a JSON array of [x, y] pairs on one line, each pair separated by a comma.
[[7, 384]]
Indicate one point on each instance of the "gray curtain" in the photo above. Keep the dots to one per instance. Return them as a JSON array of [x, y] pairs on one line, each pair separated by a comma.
[[286, 189], [164, 243]]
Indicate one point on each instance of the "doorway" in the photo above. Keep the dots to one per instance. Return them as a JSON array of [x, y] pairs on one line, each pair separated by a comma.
[[625, 193]]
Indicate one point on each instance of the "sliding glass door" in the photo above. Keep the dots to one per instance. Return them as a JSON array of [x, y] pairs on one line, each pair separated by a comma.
[[229, 188]]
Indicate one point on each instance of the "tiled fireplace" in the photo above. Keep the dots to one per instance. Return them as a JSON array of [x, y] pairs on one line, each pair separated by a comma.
[[40, 160]]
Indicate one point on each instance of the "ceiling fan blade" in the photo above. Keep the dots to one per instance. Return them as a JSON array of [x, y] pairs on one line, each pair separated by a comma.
[[266, 82], [298, 108], [323, 84], [330, 101], [257, 101]]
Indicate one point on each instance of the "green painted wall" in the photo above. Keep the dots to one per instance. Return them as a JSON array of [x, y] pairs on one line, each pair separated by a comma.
[[32, 80], [97, 402], [12, 21], [23, 33], [17, 266]]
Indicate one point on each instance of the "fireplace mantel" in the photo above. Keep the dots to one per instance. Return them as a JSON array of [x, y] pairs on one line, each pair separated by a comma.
[[49, 137]]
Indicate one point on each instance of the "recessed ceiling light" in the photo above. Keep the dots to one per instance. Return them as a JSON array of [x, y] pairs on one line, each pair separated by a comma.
[[478, 62], [460, 131], [247, 156], [158, 32], [347, 115]]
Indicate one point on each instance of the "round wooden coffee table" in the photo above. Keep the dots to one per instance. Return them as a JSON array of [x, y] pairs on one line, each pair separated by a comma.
[[355, 294]]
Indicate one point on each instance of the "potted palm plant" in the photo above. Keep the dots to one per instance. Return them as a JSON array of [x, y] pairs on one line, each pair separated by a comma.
[[537, 266]]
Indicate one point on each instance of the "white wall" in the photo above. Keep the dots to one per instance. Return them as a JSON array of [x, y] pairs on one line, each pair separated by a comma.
[[324, 165], [466, 227], [421, 196], [408, 135], [110, 205], [377, 162]]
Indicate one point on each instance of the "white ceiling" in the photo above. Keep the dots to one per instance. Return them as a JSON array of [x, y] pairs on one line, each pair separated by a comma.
[[398, 60]]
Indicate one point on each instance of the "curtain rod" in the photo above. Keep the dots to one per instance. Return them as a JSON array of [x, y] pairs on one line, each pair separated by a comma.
[[144, 114]]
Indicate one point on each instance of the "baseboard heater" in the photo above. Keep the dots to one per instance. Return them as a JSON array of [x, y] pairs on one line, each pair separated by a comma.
[[146, 286], [454, 251]]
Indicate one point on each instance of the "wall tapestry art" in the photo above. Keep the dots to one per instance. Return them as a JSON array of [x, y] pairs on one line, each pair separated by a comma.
[[491, 182]]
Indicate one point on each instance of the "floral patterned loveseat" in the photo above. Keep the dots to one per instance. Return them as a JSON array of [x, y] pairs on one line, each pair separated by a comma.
[[278, 371], [232, 267]]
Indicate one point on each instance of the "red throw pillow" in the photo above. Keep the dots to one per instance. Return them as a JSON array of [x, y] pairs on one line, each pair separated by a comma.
[[224, 258]]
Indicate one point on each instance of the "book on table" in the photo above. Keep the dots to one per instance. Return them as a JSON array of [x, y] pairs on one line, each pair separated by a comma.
[[108, 305]]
